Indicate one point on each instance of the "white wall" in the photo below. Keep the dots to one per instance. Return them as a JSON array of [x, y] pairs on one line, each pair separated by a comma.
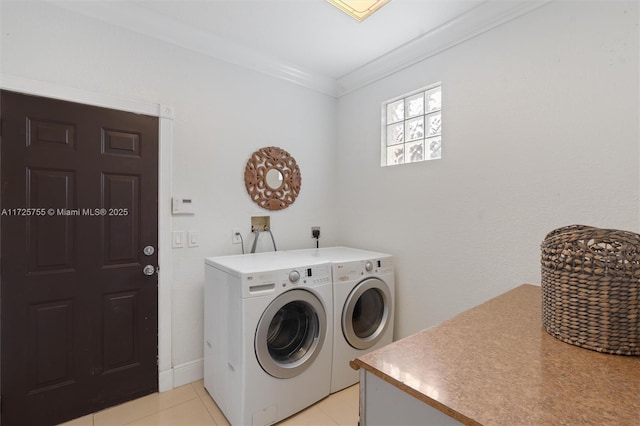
[[222, 114], [540, 130]]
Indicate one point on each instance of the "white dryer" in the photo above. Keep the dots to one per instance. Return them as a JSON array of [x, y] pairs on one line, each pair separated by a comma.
[[363, 302], [268, 334]]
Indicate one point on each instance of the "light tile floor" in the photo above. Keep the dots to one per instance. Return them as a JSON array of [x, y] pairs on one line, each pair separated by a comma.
[[191, 405]]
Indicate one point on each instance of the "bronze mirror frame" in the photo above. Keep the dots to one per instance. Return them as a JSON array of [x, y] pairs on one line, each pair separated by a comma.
[[261, 163]]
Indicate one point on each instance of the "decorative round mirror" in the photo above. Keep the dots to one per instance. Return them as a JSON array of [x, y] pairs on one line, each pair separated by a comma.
[[272, 178]]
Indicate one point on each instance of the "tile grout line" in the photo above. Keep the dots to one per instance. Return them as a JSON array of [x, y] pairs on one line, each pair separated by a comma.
[[93, 415], [204, 405], [324, 408], [328, 414], [170, 407]]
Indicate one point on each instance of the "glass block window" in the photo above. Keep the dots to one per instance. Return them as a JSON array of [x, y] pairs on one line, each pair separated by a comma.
[[412, 127]]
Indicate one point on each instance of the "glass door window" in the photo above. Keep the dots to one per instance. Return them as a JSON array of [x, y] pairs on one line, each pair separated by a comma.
[[366, 313], [290, 333]]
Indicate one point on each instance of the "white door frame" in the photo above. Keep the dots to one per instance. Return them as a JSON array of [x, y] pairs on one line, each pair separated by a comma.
[[165, 142]]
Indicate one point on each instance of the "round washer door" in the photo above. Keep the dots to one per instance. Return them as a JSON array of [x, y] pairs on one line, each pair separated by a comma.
[[366, 313], [290, 333]]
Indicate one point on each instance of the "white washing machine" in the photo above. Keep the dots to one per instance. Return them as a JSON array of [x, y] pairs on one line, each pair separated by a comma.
[[268, 334], [363, 302]]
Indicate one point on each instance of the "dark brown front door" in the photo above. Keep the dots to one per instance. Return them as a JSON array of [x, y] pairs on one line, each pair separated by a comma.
[[79, 203]]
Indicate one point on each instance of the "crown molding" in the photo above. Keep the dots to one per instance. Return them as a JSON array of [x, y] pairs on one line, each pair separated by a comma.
[[132, 17], [474, 22], [482, 18]]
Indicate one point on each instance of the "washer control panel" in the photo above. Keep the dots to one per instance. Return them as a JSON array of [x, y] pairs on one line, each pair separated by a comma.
[[270, 282], [315, 275]]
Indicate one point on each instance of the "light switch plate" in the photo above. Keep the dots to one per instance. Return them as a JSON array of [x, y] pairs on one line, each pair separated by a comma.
[[193, 240], [177, 239]]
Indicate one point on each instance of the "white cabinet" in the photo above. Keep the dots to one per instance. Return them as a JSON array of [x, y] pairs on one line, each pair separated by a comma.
[[383, 404]]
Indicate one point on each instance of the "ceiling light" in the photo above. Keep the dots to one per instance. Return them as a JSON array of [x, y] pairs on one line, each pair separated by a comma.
[[359, 9]]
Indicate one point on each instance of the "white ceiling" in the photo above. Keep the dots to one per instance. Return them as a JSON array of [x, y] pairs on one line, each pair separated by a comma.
[[309, 42], [313, 33]]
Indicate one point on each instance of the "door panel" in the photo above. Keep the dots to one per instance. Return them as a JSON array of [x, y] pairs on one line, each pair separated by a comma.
[[50, 324], [121, 349], [51, 239], [78, 324], [118, 142], [121, 227], [51, 133]]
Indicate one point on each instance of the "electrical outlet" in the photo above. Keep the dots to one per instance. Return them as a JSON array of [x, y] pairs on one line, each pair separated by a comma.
[[235, 236], [315, 232]]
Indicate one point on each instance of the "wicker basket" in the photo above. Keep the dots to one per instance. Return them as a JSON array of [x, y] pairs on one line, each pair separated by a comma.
[[590, 288]]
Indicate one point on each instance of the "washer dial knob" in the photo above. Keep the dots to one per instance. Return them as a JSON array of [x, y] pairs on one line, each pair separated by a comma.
[[294, 276], [368, 266]]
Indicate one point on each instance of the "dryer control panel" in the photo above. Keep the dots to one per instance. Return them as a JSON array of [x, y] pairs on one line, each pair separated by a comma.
[[350, 271]]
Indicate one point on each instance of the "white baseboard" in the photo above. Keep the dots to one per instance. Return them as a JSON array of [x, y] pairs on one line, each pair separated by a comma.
[[181, 375], [165, 380], [188, 372]]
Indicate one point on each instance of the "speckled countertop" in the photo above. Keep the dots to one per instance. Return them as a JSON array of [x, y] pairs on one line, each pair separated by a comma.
[[496, 365]]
